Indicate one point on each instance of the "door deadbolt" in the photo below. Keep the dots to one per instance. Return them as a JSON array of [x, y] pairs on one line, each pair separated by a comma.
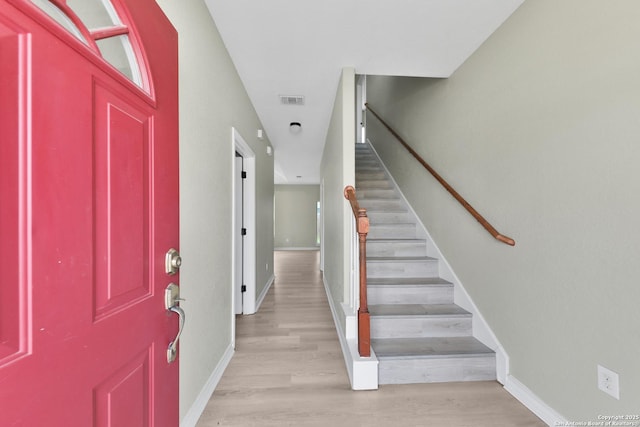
[[172, 262]]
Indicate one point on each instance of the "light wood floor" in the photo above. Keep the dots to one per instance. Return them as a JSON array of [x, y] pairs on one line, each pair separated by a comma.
[[288, 370]]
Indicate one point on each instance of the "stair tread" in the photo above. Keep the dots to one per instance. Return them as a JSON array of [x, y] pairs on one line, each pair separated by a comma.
[[422, 310], [399, 281], [434, 347]]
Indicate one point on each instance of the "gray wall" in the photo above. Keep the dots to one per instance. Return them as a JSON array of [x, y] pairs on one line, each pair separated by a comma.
[[212, 101], [540, 131], [337, 170], [295, 216]]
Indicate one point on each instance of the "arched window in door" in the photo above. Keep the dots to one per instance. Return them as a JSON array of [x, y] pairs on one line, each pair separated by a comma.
[[99, 26]]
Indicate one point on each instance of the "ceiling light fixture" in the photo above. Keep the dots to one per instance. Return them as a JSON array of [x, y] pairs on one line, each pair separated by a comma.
[[295, 127]]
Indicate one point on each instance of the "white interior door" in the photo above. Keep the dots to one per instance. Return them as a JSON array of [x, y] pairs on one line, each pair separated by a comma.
[[237, 233]]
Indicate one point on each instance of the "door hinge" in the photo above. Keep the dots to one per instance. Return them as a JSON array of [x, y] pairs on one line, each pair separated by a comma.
[[243, 288], [243, 232], [244, 175]]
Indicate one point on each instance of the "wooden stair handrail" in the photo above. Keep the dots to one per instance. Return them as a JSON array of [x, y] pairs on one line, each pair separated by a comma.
[[362, 228], [445, 184]]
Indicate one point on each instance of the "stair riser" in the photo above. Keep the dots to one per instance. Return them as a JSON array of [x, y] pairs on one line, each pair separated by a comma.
[[391, 231], [367, 161], [437, 370], [367, 169], [373, 185], [363, 176], [380, 217], [417, 326], [377, 269], [382, 205], [377, 193], [396, 248], [397, 294]]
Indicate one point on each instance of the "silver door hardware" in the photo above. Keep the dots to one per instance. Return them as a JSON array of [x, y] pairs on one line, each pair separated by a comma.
[[172, 296], [172, 350], [171, 300], [172, 262]]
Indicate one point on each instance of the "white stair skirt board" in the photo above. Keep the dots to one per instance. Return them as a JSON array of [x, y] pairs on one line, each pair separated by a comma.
[[194, 413], [363, 371]]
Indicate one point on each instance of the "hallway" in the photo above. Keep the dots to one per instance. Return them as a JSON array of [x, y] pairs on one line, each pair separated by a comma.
[[288, 370]]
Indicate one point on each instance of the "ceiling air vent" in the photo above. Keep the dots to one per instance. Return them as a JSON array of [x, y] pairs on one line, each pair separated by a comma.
[[292, 99]]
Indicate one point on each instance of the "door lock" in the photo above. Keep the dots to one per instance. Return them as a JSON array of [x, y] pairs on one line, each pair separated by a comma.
[[172, 262], [172, 296]]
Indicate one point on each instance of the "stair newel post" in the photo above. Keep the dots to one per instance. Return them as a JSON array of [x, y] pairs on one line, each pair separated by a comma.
[[362, 228], [364, 333]]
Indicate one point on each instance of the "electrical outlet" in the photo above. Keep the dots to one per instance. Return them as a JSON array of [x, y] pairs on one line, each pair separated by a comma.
[[608, 382], [266, 266]]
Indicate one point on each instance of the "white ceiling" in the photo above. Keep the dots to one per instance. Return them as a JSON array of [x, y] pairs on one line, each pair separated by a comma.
[[299, 47]]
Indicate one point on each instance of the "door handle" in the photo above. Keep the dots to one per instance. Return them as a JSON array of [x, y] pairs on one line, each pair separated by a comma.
[[172, 350], [171, 299]]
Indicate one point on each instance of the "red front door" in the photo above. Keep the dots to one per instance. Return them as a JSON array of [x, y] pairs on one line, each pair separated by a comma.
[[88, 209]]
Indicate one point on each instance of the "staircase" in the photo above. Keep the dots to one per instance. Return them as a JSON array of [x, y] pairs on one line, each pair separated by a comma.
[[417, 332]]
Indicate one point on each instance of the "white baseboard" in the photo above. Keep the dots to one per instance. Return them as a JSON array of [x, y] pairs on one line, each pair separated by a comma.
[[193, 414], [533, 402], [363, 371], [263, 294]]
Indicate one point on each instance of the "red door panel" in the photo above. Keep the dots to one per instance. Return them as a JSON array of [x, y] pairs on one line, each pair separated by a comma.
[[89, 207], [122, 142], [123, 399]]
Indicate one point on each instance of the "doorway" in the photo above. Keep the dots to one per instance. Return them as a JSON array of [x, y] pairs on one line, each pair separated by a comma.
[[361, 109], [239, 232], [244, 227]]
